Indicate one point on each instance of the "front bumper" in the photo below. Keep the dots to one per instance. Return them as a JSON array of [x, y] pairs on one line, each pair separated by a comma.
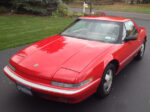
[[75, 95]]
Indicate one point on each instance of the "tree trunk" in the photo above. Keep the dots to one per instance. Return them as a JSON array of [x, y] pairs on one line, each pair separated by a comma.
[[91, 6], [132, 1]]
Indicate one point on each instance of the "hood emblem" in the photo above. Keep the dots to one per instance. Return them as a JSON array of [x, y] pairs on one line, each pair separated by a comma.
[[36, 65]]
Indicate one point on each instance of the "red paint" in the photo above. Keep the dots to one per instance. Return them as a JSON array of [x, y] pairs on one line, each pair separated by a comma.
[[71, 60], [106, 18]]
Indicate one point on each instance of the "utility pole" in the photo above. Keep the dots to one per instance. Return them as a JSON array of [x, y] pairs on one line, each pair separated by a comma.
[[91, 6]]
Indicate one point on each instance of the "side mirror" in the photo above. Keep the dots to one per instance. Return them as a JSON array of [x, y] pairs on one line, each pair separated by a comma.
[[129, 38]]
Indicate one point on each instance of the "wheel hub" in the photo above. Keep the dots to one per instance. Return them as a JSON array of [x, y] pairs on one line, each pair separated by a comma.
[[108, 80], [142, 50]]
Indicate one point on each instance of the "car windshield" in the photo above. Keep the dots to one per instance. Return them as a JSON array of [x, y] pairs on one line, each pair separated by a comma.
[[96, 30]]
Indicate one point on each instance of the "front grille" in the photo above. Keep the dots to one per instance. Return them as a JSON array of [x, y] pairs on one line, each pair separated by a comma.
[[32, 78]]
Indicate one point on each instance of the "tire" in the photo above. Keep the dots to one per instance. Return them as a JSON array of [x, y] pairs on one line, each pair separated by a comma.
[[141, 52], [105, 86]]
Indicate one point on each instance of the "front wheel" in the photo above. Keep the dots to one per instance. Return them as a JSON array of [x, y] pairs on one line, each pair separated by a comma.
[[106, 82], [141, 52]]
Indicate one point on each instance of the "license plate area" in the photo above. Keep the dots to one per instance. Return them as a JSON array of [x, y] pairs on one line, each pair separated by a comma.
[[24, 89]]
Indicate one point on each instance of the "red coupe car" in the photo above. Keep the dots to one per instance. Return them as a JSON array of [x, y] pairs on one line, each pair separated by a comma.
[[80, 61]]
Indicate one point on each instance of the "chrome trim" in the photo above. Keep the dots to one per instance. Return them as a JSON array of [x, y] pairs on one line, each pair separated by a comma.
[[45, 88]]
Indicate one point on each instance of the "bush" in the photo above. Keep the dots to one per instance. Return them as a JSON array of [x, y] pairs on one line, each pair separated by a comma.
[[6, 3], [3, 10], [146, 1], [68, 1], [78, 14], [37, 7], [62, 10]]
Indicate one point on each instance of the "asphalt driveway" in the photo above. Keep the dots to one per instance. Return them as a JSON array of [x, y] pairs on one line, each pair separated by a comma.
[[131, 91], [133, 15]]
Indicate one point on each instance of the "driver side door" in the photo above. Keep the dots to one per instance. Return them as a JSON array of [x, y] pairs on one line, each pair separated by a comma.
[[129, 48]]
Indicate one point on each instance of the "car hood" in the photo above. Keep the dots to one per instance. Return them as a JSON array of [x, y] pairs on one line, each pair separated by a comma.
[[51, 54]]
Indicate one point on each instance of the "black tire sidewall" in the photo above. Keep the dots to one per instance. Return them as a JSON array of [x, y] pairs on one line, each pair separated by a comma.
[[100, 91], [139, 57]]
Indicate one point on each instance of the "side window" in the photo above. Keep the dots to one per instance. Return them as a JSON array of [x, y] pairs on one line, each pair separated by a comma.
[[130, 29]]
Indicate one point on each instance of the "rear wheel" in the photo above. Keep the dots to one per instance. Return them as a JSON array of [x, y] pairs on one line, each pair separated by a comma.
[[141, 52], [107, 80]]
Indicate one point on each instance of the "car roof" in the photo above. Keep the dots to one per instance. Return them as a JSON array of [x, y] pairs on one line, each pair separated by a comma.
[[106, 18]]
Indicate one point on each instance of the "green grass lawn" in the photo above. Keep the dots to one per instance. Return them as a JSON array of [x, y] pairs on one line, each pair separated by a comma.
[[139, 8], [21, 30]]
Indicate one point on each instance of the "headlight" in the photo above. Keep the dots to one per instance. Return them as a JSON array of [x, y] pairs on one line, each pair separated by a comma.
[[13, 68], [72, 85]]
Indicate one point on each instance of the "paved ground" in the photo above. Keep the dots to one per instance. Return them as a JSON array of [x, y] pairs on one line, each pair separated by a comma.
[[118, 13], [131, 91]]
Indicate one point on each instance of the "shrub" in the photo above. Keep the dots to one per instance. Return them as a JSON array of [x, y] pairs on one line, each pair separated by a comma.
[[3, 10], [78, 14], [146, 1], [62, 10], [68, 1], [37, 7], [6, 3]]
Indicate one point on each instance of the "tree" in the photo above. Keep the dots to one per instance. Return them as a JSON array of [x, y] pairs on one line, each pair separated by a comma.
[[91, 2], [6, 3], [132, 2]]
